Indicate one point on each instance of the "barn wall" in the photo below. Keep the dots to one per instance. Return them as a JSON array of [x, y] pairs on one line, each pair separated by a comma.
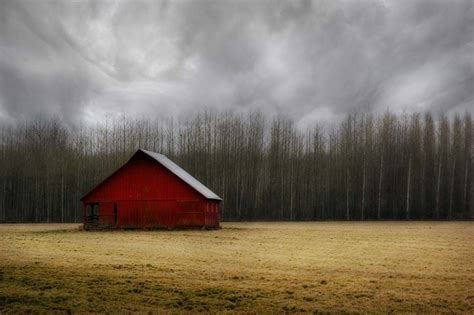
[[106, 215], [212, 213], [155, 214], [158, 214]]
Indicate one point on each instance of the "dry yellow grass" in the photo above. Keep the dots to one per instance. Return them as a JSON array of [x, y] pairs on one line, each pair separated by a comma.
[[245, 267]]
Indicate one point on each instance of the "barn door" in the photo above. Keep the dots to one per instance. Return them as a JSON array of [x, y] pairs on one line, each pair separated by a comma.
[[92, 215], [212, 215], [106, 215]]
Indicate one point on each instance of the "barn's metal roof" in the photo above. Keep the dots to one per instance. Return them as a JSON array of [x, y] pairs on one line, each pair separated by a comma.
[[185, 176]]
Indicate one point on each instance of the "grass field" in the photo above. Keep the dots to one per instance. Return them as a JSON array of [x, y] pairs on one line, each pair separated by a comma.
[[375, 267]]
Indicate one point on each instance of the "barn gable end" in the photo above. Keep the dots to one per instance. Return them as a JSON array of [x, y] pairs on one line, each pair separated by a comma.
[[150, 170]]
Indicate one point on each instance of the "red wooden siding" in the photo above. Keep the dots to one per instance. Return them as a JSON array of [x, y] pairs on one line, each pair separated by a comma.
[[143, 179], [106, 215]]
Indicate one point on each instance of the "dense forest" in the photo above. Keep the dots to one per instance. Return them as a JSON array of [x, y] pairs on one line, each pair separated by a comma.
[[367, 167]]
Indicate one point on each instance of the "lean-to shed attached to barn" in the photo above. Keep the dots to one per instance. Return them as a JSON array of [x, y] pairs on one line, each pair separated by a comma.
[[150, 191]]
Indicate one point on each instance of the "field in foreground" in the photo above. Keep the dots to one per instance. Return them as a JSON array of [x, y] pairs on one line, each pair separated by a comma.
[[245, 267]]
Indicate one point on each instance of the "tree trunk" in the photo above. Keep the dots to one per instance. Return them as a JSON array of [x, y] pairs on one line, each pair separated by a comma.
[[465, 190], [451, 193], [379, 204], [438, 190], [362, 210], [62, 199], [348, 191], [407, 212]]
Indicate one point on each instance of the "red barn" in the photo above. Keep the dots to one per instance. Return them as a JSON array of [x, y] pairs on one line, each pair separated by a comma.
[[150, 191]]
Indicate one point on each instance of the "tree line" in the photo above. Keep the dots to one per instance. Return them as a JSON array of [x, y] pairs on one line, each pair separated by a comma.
[[367, 167]]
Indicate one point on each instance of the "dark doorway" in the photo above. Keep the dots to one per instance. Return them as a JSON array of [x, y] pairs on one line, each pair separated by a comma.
[[92, 215]]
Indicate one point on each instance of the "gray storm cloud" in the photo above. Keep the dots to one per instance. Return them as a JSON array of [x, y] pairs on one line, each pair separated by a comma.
[[310, 60]]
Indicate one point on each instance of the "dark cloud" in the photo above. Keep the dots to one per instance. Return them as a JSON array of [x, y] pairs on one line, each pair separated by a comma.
[[311, 60]]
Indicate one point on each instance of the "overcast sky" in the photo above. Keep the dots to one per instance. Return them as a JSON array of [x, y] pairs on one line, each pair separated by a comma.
[[310, 60]]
